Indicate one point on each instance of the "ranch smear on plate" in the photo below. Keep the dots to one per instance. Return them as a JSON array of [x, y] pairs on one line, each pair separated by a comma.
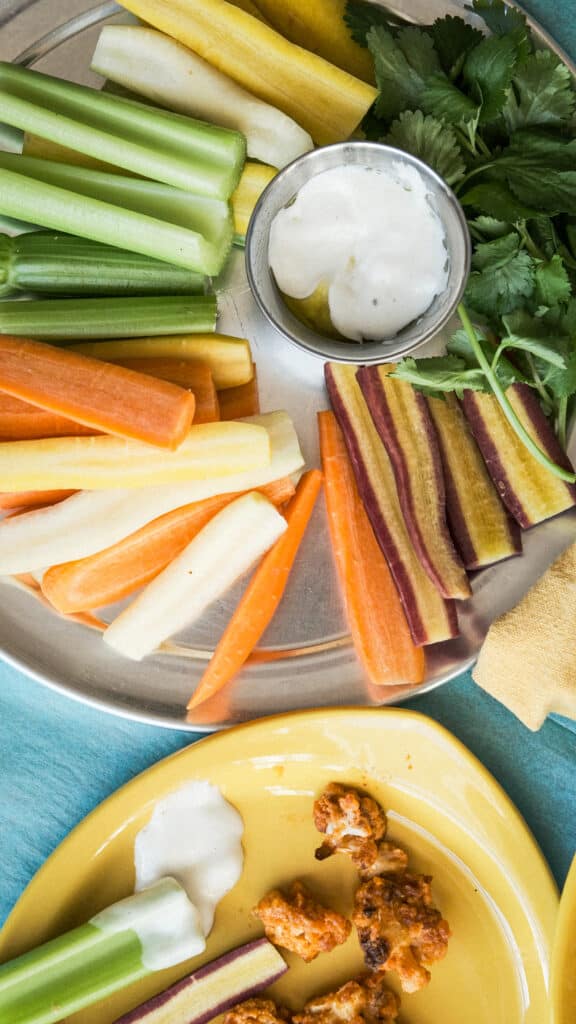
[[194, 836], [372, 237]]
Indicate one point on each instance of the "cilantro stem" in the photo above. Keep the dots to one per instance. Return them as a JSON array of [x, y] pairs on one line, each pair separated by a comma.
[[518, 427], [473, 172], [528, 241]]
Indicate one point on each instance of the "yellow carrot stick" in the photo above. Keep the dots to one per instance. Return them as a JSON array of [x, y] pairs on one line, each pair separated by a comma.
[[104, 462], [327, 102]]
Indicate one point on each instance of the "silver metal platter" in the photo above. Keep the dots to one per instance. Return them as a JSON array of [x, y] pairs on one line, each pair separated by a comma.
[[309, 660]]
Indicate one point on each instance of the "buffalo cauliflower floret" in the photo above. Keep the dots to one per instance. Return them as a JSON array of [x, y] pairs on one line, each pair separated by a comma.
[[351, 822], [296, 921], [399, 928], [382, 858], [257, 1011], [365, 1000]]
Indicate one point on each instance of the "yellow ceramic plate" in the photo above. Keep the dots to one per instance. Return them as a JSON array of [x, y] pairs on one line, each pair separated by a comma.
[[564, 955], [490, 878]]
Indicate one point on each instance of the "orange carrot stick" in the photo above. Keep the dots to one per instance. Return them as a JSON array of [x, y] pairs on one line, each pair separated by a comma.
[[375, 615], [262, 596], [197, 377], [119, 570], [22, 421], [244, 400], [31, 499], [95, 393]]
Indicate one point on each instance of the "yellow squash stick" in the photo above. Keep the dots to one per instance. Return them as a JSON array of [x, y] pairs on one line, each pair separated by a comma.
[[318, 25], [327, 102]]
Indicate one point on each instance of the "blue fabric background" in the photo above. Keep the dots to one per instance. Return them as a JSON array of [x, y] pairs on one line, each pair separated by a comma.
[[59, 759]]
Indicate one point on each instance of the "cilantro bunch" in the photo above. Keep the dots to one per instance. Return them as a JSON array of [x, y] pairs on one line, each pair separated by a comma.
[[495, 117]]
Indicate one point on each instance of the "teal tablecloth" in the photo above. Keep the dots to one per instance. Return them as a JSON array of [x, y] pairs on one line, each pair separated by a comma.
[[59, 759]]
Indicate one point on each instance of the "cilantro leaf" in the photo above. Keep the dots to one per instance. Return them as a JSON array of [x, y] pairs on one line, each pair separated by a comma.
[[489, 227], [506, 372], [544, 352], [541, 93], [535, 347], [439, 374], [500, 18], [496, 200], [431, 141], [553, 191], [418, 48], [552, 282], [541, 149], [539, 169], [488, 71], [360, 16], [502, 276], [444, 100], [400, 86], [453, 39]]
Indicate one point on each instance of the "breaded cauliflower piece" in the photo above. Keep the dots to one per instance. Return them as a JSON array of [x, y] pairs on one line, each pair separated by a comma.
[[351, 822], [257, 1011], [399, 928], [364, 1000], [296, 921]]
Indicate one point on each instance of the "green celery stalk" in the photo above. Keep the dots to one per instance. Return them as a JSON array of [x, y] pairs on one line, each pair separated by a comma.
[[134, 317], [89, 963], [147, 217], [53, 264], [158, 144]]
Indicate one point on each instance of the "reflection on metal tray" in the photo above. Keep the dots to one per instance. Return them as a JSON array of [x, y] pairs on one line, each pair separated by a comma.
[[306, 659]]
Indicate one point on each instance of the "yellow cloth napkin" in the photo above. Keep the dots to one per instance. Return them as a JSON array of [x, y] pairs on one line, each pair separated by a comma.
[[528, 660]]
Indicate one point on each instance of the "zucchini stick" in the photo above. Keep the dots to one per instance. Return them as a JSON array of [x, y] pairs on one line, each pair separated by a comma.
[[130, 213], [48, 263], [152, 64], [157, 144]]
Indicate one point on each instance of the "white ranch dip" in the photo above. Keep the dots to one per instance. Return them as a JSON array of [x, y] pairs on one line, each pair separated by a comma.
[[373, 237], [194, 836]]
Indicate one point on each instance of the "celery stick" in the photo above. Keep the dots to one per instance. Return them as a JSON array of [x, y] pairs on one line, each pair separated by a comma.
[[156, 143], [60, 319], [130, 213], [54, 264], [156, 928], [152, 64], [222, 552]]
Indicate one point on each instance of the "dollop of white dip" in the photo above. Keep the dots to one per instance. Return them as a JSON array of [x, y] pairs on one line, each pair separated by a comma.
[[373, 237], [194, 836]]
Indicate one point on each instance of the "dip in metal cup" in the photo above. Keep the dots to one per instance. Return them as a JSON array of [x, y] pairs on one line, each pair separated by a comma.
[[284, 187]]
